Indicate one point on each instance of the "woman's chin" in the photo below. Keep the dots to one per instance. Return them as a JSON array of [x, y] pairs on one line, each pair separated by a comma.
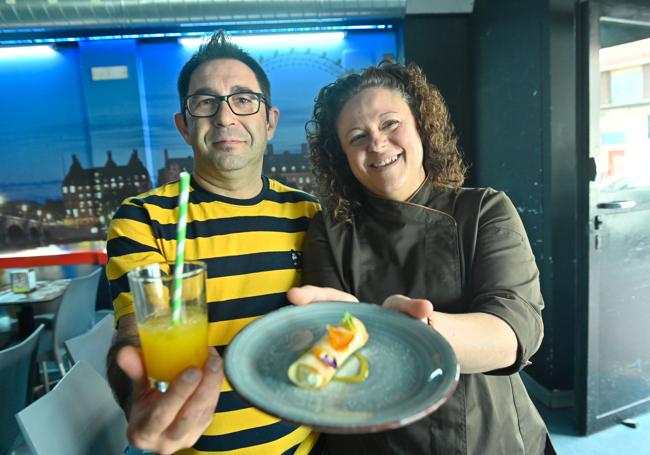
[[394, 188]]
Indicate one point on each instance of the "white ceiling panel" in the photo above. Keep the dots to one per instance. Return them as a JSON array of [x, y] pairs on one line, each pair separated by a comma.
[[62, 14]]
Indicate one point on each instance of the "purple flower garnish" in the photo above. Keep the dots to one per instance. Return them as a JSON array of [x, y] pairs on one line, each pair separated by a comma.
[[331, 362]]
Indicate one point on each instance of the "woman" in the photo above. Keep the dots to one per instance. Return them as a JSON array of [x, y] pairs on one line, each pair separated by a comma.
[[397, 221]]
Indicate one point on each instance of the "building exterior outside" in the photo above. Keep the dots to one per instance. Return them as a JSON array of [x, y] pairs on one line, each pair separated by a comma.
[[624, 156]]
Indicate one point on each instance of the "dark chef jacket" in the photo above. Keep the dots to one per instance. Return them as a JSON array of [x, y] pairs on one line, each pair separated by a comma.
[[466, 251]]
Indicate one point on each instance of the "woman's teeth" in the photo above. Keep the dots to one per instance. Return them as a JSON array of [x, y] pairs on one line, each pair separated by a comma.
[[385, 162]]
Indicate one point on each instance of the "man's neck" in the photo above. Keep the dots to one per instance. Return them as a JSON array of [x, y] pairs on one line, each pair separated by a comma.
[[230, 186]]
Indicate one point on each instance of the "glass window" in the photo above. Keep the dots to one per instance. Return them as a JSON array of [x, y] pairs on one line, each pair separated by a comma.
[[627, 85], [612, 137]]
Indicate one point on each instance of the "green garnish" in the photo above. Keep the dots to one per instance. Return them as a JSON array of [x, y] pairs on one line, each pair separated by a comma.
[[348, 322]]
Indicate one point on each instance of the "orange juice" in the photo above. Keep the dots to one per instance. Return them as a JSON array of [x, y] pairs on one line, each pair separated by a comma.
[[169, 349]]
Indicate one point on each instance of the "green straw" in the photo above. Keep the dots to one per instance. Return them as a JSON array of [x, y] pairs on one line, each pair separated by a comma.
[[183, 196]]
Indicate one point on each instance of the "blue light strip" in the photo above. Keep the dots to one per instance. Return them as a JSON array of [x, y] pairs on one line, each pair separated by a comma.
[[328, 28], [16, 52]]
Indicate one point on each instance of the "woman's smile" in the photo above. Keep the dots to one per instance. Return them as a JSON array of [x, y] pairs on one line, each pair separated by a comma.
[[380, 139]]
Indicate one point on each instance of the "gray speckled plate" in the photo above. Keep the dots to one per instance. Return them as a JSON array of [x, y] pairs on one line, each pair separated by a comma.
[[412, 369]]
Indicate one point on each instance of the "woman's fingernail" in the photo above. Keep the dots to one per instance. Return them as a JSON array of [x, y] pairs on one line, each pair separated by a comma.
[[191, 375], [213, 363]]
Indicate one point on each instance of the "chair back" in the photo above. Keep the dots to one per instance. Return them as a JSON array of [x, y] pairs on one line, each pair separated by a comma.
[[93, 345], [16, 381], [78, 417], [76, 312]]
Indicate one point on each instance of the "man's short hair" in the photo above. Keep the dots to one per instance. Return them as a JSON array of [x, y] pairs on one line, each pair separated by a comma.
[[218, 47]]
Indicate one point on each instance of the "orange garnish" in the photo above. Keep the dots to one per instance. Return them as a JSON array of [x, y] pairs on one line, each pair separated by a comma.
[[340, 338]]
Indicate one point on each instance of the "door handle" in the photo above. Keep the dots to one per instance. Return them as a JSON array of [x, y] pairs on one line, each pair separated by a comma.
[[616, 205]]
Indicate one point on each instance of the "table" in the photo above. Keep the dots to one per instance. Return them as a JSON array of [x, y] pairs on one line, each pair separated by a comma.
[[45, 292]]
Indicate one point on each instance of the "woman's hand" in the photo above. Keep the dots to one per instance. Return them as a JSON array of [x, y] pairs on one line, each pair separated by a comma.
[[421, 309], [418, 308], [310, 294], [482, 342]]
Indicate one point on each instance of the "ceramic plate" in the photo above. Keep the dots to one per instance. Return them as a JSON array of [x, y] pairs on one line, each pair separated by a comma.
[[412, 369]]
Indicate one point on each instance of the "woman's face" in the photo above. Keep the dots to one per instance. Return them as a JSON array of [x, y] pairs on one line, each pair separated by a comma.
[[379, 137]]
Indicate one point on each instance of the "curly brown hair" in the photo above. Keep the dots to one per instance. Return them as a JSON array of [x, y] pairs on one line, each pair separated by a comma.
[[339, 191]]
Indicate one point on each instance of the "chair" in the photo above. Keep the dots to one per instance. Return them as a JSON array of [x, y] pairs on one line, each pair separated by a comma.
[[78, 417], [93, 345], [16, 380], [74, 316]]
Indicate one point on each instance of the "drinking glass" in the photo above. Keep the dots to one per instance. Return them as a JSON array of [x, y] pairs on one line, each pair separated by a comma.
[[169, 346]]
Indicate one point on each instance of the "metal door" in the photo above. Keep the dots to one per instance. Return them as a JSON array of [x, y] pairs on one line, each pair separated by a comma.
[[617, 61]]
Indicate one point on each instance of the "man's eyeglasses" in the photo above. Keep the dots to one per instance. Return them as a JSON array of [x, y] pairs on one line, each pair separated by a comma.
[[204, 105]]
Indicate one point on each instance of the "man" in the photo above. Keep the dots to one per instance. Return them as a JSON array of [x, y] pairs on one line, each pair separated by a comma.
[[247, 228]]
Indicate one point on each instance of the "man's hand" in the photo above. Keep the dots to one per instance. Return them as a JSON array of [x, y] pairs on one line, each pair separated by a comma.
[[310, 294], [170, 421], [416, 308]]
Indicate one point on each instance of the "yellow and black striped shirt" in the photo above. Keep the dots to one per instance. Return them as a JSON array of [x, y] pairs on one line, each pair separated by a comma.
[[253, 251]]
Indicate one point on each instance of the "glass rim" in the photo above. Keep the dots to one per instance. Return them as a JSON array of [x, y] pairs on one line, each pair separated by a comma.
[[132, 274]]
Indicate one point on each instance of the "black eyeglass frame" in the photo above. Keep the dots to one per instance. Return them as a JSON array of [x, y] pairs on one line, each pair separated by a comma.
[[260, 96]]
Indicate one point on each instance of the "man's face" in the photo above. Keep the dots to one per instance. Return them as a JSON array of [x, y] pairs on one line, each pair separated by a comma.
[[226, 142]]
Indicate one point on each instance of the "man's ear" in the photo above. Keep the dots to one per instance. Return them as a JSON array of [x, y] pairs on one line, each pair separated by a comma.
[[181, 126], [272, 123]]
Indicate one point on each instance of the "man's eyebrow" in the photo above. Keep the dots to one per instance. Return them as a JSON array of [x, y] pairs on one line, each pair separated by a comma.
[[233, 89], [203, 91], [241, 88]]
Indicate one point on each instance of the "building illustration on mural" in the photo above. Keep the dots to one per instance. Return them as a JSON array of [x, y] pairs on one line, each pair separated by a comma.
[[293, 169], [90, 196], [172, 168]]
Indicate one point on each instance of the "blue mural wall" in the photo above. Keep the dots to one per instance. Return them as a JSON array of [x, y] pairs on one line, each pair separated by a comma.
[[42, 121], [73, 142]]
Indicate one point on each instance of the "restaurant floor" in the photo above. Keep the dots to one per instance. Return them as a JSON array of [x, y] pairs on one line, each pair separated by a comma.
[[617, 440]]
